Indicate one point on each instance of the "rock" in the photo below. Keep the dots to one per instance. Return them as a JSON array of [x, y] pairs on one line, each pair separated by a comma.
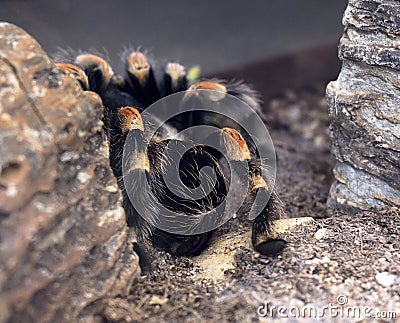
[[220, 256], [321, 233], [385, 279], [365, 109], [287, 225], [64, 241]]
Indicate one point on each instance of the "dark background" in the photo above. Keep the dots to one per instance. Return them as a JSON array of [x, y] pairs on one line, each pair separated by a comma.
[[218, 35]]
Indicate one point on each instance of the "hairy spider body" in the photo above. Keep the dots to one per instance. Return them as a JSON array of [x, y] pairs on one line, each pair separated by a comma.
[[145, 170], [162, 156], [149, 160]]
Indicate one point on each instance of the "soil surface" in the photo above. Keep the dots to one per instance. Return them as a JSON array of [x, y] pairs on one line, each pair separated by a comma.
[[345, 268]]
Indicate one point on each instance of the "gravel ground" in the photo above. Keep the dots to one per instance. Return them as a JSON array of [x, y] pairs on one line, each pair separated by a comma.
[[345, 268]]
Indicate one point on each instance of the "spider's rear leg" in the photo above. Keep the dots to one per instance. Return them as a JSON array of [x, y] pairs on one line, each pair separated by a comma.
[[174, 79], [141, 82], [104, 82], [217, 92], [97, 69], [78, 73], [196, 97]]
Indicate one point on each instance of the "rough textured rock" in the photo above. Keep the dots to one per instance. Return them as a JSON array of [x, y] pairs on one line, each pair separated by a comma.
[[365, 108], [64, 242]]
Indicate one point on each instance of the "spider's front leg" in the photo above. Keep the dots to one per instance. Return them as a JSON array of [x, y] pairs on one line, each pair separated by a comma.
[[264, 237], [137, 203], [261, 200]]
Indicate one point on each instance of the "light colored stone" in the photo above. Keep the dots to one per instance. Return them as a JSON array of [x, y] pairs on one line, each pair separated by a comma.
[[365, 109], [320, 234], [220, 256], [64, 240], [385, 279]]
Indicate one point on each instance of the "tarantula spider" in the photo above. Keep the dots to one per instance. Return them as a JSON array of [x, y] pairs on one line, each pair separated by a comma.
[[124, 99]]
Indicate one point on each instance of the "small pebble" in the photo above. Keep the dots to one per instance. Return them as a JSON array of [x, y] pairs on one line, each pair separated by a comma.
[[321, 233], [314, 261], [325, 260], [68, 156], [112, 188], [385, 279], [83, 177]]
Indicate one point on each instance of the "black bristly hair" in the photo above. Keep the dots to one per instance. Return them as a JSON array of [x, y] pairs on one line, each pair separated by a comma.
[[189, 166]]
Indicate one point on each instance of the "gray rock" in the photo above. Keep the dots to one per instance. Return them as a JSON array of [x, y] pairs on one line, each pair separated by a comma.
[[365, 109], [64, 241]]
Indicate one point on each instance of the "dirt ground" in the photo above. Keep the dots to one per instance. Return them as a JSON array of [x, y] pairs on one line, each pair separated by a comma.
[[342, 267]]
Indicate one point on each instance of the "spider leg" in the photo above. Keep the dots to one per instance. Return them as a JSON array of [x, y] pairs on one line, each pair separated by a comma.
[[174, 79], [141, 81]]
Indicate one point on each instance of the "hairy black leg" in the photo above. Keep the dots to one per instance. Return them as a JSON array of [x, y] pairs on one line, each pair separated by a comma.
[[145, 261], [264, 236]]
